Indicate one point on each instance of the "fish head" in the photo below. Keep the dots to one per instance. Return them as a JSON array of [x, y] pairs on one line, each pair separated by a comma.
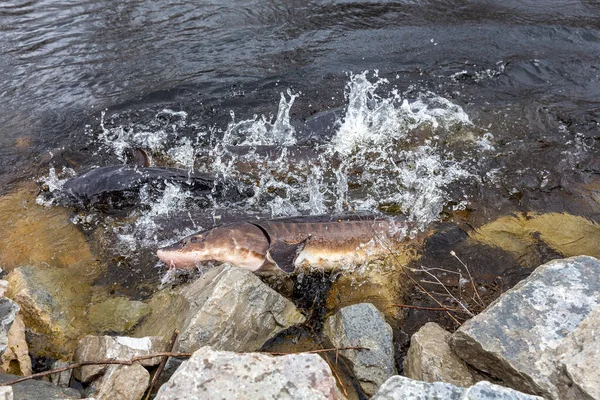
[[240, 244], [187, 252]]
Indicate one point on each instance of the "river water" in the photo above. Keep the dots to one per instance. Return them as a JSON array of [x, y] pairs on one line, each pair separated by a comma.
[[442, 110]]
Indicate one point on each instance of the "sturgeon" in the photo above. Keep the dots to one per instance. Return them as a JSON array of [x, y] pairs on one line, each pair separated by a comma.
[[325, 242]]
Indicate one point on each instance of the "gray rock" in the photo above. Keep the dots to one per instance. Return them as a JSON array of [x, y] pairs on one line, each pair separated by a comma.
[[515, 338], [363, 325], [579, 358], [8, 312], [430, 358], [34, 389], [123, 382], [402, 388], [62, 379], [211, 374], [232, 309], [96, 348]]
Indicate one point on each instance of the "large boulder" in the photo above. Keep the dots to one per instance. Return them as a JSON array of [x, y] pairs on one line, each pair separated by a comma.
[[402, 388], [362, 325], [97, 348], [230, 308], [430, 358], [579, 358], [211, 374], [515, 338]]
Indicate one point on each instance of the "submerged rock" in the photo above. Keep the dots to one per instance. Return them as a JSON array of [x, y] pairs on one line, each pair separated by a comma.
[[59, 306], [430, 358], [123, 382], [34, 389], [15, 359], [362, 325], [96, 348], [230, 308], [402, 388], [579, 358], [211, 374], [515, 338], [8, 312]]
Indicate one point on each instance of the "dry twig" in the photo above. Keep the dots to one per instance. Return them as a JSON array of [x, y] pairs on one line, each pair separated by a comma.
[[162, 364]]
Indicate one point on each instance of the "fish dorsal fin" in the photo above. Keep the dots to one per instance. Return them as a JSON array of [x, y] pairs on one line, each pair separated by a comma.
[[284, 254]]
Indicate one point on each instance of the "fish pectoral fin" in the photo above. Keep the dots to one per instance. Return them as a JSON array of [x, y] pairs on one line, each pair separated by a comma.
[[284, 254]]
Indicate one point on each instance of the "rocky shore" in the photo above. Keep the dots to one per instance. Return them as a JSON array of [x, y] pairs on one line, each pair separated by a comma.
[[539, 339]]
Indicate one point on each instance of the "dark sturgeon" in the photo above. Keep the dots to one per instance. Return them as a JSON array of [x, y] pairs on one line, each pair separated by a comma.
[[325, 242]]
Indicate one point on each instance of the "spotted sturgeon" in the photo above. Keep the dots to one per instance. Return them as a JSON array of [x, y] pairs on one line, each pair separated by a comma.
[[324, 242]]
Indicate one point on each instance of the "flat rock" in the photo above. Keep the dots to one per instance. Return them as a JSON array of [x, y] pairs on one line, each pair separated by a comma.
[[34, 389], [231, 309], [430, 358], [96, 348], [15, 359], [123, 382], [402, 388], [515, 338], [211, 374], [8, 312], [362, 325], [579, 358]]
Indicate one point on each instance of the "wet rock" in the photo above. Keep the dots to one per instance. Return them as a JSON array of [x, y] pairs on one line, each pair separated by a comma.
[[362, 325], [230, 308], [579, 358], [8, 312], [430, 358], [211, 374], [123, 382], [127, 314], [34, 389], [96, 348], [15, 359], [515, 338], [59, 306], [402, 388]]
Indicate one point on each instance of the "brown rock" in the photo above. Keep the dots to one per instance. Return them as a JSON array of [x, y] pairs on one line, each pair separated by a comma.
[[430, 358], [123, 382], [15, 359]]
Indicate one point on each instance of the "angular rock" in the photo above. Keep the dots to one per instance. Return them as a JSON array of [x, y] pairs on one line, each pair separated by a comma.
[[15, 359], [231, 309], [96, 348], [58, 308], [211, 374], [8, 312], [402, 388], [515, 338], [34, 389], [362, 325], [123, 382], [579, 358], [430, 358], [3, 286]]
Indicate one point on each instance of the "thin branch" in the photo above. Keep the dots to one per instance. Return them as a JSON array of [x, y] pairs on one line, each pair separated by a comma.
[[149, 356], [429, 308], [481, 303], [162, 364]]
